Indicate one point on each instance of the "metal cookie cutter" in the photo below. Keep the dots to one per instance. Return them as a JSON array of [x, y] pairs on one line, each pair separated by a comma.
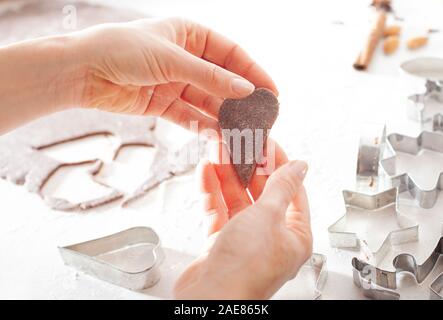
[[420, 105], [402, 180], [429, 70], [370, 151], [318, 263], [309, 282], [379, 284], [364, 207], [130, 258], [437, 123], [437, 288]]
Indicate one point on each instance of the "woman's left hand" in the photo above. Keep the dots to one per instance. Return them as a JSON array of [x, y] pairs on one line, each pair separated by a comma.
[[172, 68]]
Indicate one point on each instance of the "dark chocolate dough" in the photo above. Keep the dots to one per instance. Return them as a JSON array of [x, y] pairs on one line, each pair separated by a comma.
[[257, 111]]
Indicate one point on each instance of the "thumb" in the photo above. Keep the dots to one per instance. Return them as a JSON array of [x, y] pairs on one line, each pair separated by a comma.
[[210, 77], [283, 185]]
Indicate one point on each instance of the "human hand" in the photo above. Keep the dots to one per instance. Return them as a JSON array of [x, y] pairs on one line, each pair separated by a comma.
[[257, 246], [172, 68]]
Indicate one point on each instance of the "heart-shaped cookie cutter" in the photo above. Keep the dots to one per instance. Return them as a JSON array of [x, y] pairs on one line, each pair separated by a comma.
[[110, 258]]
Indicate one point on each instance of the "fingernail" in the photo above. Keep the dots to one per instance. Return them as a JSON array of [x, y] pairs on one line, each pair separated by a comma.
[[300, 167], [242, 86]]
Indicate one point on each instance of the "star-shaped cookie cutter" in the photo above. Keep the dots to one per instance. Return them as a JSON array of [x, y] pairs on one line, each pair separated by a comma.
[[413, 145], [430, 71], [406, 230], [380, 284], [420, 105]]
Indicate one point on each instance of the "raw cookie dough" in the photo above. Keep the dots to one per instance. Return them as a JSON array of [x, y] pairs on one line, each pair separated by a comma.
[[21, 162], [20, 159], [27, 19], [257, 111], [168, 164]]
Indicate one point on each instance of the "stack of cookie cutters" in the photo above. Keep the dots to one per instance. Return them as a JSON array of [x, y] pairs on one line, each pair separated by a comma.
[[366, 275], [371, 197], [425, 108], [130, 258], [368, 199], [377, 283], [424, 198]]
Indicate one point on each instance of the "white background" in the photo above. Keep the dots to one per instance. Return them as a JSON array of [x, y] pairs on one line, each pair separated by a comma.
[[308, 47]]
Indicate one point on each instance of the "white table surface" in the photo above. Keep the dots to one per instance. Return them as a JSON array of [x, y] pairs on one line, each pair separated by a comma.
[[323, 103]]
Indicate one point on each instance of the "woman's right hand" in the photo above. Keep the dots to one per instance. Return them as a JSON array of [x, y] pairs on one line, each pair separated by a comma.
[[255, 247]]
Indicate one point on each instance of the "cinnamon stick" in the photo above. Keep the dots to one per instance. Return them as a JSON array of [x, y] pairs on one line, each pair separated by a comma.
[[365, 57]]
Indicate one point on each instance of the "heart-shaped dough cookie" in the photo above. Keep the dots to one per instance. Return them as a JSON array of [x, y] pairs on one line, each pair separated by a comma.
[[245, 125]]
